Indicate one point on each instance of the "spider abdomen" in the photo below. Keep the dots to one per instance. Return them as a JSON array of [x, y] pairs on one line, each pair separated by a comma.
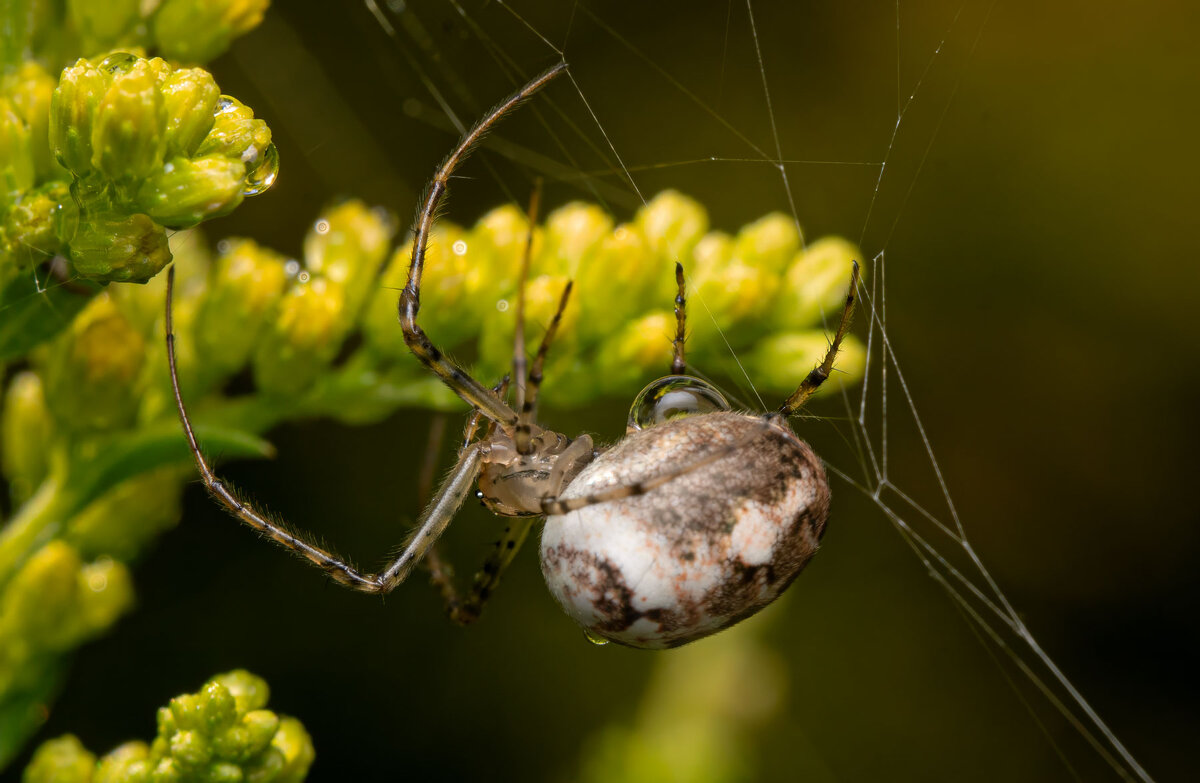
[[699, 552]]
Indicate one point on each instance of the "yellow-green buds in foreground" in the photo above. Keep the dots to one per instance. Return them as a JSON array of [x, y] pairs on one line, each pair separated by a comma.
[[199, 30], [221, 733], [149, 147]]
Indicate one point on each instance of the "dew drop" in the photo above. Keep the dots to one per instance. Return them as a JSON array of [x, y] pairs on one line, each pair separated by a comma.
[[502, 305], [223, 247], [594, 638], [118, 63], [291, 267], [460, 248], [263, 175], [302, 277], [674, 397]]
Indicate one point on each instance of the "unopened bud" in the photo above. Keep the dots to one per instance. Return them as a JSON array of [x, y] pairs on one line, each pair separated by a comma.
[[571, 233], [32, 227], [91, 370], [814, 286], [196, 31], [347, 244], [103, 23], [31, 91], [25, 432], [126, 763], [111, 246], [121, 521], [61, 760], [16, 154], [190, 96], [183, 192], [245, 285], [128, 138], [672, 224], [303, 338], [780, 362], [72, 115], [236, 134], [297, 748], [641, 349], [768, 243]]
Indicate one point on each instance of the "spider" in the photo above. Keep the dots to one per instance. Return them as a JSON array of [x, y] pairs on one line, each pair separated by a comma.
[[697, 518]]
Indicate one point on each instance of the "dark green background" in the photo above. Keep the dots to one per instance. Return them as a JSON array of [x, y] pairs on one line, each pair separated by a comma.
[[1042, 292]]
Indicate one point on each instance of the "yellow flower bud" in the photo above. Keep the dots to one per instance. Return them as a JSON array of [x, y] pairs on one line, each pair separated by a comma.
[[620, 277], [103, 23], [542, 295], [31, 90], [236, 134], [110, 246], [190, 96], [496, 245], [768, 243], [32, 226], [61, 760], [672, 223], [199, 30], [245, 285], [72, 115], [296, 745], [25, 432], [571, 233], [183, 192], [780, 362], [640, 350], [91, 370], [16, 154], [723, 290], [125, 763], [304, 337], [121, 521], [347, 244], [815, 284], [128, 138]]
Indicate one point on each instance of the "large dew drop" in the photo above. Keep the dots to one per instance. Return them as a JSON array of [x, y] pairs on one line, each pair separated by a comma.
[[263, 175]]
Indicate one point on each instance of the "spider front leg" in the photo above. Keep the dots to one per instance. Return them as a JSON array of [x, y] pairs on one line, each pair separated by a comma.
[[430, 526]]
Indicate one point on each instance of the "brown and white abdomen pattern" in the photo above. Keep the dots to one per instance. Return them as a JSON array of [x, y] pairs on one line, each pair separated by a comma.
[[704, 550]]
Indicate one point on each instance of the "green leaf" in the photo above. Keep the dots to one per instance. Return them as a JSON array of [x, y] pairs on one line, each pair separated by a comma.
[[23, 709], [32, 311], [147, 449]]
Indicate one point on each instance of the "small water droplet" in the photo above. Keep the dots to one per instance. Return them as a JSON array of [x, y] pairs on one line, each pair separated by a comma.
[[97, 583], [223, 246], [302, 277], [291, 267], [322, 227], [263, 175], [594, 638], [118, 62], [460, 248], [502, 305]]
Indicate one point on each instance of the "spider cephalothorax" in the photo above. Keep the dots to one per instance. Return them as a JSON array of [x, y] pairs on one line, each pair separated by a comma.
[[696, 519]]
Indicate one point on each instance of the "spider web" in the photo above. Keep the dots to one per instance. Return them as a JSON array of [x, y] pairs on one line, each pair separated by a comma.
[[930, 64]]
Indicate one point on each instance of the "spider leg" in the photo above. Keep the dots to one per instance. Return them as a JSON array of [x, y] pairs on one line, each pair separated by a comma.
[[522, 435], [432, 522], [529, 408], [678, 365], [488, 577], [821, 372], [461, 383]]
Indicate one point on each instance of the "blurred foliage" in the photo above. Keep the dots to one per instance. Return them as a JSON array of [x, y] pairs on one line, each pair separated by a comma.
[[223, 732], [103, 170]]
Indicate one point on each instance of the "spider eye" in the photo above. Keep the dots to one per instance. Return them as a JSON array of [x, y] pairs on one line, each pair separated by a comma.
[[674, 397]]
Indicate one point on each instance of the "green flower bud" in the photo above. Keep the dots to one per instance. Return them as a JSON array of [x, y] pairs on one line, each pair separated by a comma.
[[725, 290], [190, 96], [167, 770], [191, 748], [347, 244], [672, 223], [183, 192], [142, 303], [54, 601], [815, 284], [103, 23], [128, 138], [72, 115], [32, 226], [496, 245], [16, 154], [571, 233], [223, 772], [31, 89], [249, 691], [297, 748], [199, 30], [245, 285], [126, 763], [25, 432], [450, 292], [304, 337], [266, 767], [618, 279], [111, 246], [236, 134], [542, 295], [91, 369], [62, 760], [641, 349], [260, 727], [780, 362], [124, 519], [768, 243]]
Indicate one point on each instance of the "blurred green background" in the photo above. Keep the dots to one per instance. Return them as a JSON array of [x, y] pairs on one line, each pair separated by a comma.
[[1037, 216]]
